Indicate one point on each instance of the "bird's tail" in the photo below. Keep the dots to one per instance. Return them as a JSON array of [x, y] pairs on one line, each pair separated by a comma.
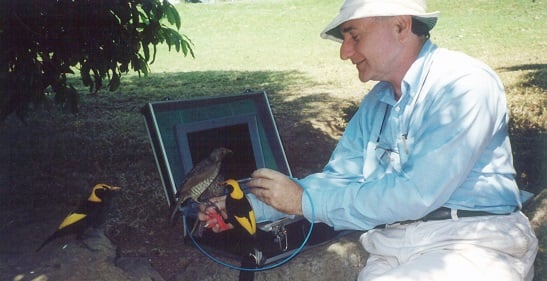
[[176, 208], [49, 239]]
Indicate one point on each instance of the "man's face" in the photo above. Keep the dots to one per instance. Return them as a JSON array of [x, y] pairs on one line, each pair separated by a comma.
[[373, 45]]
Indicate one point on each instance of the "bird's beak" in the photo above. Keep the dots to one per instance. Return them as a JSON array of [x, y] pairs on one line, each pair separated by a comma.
[[240, 182], [115, 188]]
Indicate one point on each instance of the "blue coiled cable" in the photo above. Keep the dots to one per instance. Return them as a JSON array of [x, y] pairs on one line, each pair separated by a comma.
[[296, 252]]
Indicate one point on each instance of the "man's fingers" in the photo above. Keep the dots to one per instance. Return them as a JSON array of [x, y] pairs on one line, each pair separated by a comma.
[[264, 178], [262, 194], [219, 201], [260, 173], [257, 183], [266, 173]]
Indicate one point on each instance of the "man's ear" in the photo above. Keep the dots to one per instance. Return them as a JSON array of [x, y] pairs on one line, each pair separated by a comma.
[[403, 25]]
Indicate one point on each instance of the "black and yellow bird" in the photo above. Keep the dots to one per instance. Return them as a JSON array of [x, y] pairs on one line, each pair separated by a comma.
[[241, 215], [90, 213], [203, 176], [238, 209]]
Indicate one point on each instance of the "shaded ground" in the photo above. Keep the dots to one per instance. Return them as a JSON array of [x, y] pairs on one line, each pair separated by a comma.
[[49, 164]]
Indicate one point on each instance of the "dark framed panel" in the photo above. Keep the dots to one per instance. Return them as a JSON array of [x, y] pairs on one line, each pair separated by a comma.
[[183, 132], [239, 133]]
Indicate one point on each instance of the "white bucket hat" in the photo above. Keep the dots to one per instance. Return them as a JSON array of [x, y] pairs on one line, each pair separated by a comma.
[[355, 9]]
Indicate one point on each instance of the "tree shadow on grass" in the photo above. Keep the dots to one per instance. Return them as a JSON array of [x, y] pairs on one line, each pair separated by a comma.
[[184, 85], [57, 156], [294, 102], [530, 154], [536, 77], [527, 131]]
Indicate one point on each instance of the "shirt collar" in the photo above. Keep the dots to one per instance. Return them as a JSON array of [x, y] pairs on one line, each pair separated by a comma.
[[416, 74], [413, 78]]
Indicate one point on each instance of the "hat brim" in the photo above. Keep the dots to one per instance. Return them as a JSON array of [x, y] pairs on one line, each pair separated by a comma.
[[332, 30]]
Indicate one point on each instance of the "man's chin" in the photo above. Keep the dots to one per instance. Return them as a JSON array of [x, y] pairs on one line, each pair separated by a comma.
[[363, 77]]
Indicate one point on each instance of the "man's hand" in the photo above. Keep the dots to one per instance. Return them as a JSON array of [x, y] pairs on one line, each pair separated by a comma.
[[277, 190], [214, 214]]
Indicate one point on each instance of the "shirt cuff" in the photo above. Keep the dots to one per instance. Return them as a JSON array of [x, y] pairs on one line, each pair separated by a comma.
[[264, 212]]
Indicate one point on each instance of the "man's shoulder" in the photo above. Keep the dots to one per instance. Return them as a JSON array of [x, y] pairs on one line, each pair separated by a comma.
[[453, 61], [451, 68]]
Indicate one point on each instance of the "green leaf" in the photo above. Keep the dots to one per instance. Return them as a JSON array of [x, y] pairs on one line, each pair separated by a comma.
[[173, 16], [186, 45], [48, 39]]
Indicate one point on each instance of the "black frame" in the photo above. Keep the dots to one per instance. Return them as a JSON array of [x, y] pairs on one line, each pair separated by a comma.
[[169, 124]]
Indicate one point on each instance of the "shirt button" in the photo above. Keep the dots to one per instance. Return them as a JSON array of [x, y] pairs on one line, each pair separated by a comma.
[[397, 108]]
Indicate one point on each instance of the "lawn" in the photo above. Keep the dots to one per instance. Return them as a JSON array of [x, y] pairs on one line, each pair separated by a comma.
[[270, 45]]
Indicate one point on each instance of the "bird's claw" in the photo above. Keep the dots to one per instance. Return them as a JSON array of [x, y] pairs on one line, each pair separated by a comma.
[[215, 214], [220, 221]]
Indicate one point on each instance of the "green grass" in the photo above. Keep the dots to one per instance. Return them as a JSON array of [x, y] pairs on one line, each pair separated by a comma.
[[259, 36], [500, 32], [273, 34]]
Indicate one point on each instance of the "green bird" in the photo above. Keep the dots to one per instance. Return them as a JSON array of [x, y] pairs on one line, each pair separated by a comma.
[[201, 178], [90, 213]]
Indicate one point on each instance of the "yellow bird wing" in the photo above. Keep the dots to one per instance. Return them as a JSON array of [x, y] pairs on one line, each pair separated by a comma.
[[249, 223], [71, 219]]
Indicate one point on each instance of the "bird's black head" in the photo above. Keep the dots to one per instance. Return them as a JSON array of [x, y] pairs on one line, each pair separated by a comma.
[[99, 192], [234, 189], [219, 153]]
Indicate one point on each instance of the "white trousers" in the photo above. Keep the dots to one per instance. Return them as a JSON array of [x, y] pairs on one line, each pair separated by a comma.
[[496, 248]]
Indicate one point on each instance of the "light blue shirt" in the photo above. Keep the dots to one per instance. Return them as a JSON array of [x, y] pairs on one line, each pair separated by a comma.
[[443, 143]]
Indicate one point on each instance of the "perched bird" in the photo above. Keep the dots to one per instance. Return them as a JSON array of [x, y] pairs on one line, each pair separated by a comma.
[[203, 176], [90, 213], [238, 208], [241, 215]]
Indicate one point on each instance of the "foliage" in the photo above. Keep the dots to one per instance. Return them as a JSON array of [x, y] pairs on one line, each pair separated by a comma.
[[43, 41]]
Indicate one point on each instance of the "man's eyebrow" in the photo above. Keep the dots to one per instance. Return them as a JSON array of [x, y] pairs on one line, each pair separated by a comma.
[[347, 29]]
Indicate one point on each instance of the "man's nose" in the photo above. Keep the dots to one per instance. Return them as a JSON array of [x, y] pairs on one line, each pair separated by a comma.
[[346, 49]]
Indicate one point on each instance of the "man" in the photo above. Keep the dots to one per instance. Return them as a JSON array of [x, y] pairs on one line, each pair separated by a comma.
[[424, 166]]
